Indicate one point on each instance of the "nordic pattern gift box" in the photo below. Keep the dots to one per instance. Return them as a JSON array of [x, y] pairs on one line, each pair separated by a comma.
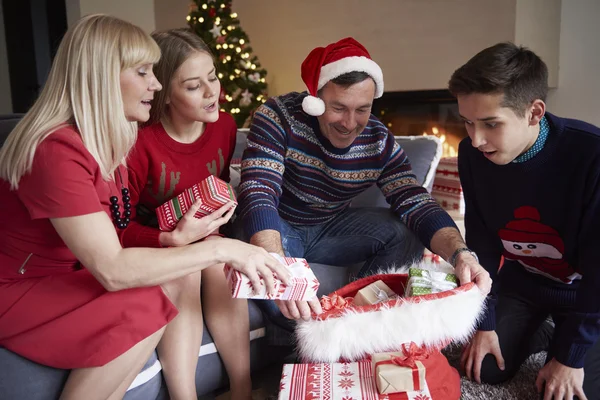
[[213, 192], [447, 190], [337, 381], [303, 284]]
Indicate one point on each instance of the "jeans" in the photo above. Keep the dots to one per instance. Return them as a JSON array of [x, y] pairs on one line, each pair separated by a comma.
[[523, 330], [374, 236]]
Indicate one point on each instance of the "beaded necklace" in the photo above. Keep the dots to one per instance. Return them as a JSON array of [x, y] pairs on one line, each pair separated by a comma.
[[121, 223]]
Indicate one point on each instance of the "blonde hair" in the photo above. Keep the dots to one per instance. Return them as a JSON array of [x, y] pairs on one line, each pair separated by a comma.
[[83, 88], [176, 46]]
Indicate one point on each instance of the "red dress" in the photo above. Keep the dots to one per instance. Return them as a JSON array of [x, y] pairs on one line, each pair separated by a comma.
[[52, 310]]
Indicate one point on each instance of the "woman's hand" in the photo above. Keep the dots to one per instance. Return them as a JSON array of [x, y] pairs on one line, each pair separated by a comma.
[[191, 229], [254, 262]]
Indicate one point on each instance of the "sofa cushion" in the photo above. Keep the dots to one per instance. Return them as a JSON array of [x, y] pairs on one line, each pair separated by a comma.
[[424, 153], [7, 123]]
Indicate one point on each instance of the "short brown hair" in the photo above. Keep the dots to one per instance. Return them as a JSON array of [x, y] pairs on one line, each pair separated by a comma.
[[349, 78], [176, 46], [506, 68]]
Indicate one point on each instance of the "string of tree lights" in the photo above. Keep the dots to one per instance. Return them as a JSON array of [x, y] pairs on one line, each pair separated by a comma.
[[243, 80]]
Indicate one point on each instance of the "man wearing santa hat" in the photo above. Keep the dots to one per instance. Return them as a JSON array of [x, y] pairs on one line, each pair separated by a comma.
[[310, 154]]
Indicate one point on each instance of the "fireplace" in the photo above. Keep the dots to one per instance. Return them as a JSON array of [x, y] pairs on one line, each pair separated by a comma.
[[425, 112]]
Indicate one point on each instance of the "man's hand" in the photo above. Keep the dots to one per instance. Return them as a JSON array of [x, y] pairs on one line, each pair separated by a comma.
[[469, 270], [561, 382], [292, 309], [483, 343]]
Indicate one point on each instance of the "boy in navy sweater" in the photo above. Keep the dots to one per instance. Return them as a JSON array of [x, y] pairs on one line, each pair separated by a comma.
[[531, 183]]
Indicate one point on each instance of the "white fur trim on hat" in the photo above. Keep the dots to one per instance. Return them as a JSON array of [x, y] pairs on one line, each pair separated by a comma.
[[313, 106], [355, 334], [350, 64]]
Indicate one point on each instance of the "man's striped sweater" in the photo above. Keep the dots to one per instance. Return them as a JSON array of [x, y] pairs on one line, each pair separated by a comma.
[[291, 171]]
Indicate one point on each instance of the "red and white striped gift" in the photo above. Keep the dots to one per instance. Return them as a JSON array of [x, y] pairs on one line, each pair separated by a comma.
[[213, 192], [303, 284], [337, 381]]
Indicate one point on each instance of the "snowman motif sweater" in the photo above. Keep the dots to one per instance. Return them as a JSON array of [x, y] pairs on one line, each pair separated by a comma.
[[543, 217]]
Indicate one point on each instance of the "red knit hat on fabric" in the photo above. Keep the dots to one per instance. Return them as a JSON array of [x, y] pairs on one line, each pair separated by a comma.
[[527, 228], [326, 63]]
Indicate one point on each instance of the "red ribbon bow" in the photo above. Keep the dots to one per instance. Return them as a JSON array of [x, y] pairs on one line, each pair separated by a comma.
[[412, 354], [334, 302]]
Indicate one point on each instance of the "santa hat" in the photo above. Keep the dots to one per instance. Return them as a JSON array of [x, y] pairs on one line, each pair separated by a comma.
[[527, 228], [326, 63]]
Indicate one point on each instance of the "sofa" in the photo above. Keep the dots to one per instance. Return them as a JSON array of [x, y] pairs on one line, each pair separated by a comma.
[[23, 379]]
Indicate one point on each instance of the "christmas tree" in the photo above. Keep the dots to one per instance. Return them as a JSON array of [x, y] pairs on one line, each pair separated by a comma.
[[243, 83]]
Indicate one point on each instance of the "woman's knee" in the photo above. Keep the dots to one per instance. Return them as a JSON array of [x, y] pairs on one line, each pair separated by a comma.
[[183, 286]]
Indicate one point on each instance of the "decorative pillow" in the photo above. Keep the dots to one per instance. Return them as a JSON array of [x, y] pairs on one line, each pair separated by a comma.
[[424, 153]]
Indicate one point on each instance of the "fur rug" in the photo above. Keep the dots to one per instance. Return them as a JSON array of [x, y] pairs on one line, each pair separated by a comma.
[[521, 387]]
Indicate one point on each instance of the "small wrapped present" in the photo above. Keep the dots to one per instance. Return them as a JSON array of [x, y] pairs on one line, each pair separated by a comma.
[[374, 293], [400, 372], [422, 281], [213, 192], [337, 381], [303, 284]]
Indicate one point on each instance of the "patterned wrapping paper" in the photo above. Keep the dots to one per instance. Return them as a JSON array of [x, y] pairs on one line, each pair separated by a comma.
[[446, 186], [303, 284], [422, 281], [337, 381], [213, 192]]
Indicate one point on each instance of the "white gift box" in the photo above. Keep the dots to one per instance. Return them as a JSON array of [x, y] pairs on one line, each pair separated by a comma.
[[302, 286]]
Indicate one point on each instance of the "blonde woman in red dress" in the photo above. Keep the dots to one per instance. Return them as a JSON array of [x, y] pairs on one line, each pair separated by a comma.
[[71, 296], [186, 140]]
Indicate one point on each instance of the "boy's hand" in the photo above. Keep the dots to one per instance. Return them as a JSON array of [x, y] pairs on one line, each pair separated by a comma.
[[561, 382], [482, 344]]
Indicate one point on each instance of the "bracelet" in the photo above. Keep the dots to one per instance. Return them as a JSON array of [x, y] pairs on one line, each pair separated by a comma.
[[454, 256]]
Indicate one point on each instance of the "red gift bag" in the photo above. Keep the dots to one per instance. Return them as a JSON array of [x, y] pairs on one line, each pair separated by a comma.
[[346, 332]]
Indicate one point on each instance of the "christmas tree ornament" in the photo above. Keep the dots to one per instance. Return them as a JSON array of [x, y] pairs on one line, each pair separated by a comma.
[[216, 30], [246, 98]]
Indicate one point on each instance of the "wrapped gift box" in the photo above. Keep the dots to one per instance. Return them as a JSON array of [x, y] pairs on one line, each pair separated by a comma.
[[422, 281], [337, 381], [213, 192], [374, 293], [447, 190], [400, 371], [303, 284]]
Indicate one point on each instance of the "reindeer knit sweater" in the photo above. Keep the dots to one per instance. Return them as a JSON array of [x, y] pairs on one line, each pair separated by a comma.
[[291, 171], [160, 168]]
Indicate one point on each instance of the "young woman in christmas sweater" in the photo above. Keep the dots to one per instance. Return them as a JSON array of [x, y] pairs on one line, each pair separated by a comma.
[[70, 296], [186, 140]]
